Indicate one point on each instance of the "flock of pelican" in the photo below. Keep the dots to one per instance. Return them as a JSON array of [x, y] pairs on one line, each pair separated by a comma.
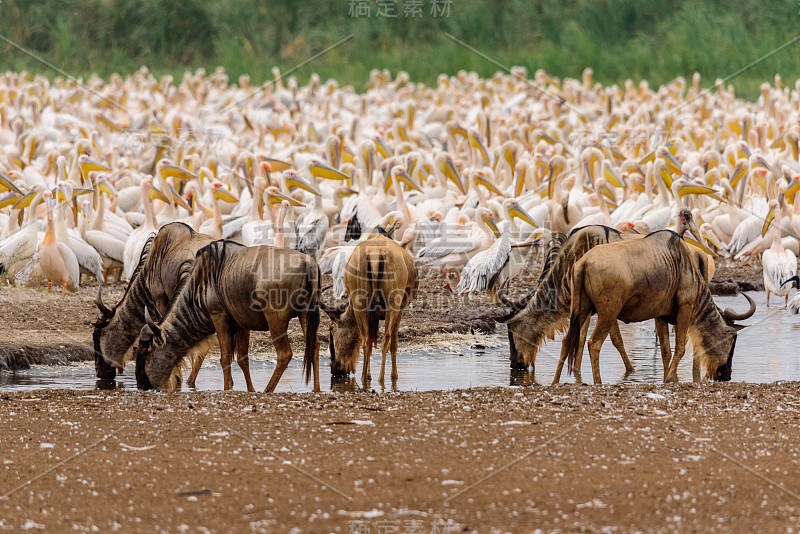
[[469, 176]]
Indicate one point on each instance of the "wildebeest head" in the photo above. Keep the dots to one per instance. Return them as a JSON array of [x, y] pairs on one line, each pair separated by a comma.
[[153, 365], [716, 350], [345, 338], [103, 369], [526, 331]]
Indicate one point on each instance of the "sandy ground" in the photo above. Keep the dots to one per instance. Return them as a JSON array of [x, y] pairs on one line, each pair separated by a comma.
[[683, 458], [654, 458]]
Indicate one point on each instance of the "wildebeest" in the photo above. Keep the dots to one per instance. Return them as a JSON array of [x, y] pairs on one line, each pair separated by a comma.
[[381, 278], [545, 311], [233, 289], [651, 278], [165, 259]]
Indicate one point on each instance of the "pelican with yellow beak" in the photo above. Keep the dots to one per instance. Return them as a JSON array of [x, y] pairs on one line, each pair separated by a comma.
[[779, 264], [491, 268]]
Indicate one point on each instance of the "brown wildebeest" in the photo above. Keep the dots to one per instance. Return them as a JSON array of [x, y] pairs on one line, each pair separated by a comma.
[[165, 259], [233, 289], [545, 311], [651, 278], [381, 279]]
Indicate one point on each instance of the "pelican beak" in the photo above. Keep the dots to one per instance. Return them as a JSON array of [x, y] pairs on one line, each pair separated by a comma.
[[26, 200], [738, 173], [451, 173], [381, 147], [698, 240], [476, 142], [104, 186], [764, 164], [489, 220], [511, 158], [156, 194], [667, 177], [278, 165], [320, 170], [7, 184], [176, 172], [347, 155], [793, 188], [484, 181], [64, 193], [8, 199], [672, 164], [90, 165], [697, 189], [348, 192], [178, 200], [519, 180], [220, 193], [533, 242], [277, 197], [298, 182], [768, 221], [404, 177], [520, 213], [712, 238], [612, 176]]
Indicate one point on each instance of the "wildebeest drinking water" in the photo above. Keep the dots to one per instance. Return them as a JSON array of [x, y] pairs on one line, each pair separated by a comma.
[[381, 278], [165, 259], [233, 289], [651, 278]]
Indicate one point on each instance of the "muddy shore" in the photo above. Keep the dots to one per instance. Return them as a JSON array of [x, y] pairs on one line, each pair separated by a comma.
[[681, 458]]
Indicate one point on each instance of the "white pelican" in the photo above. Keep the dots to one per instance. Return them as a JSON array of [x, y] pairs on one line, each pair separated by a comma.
[[18, 248], [491, 268], [779, 264], [56, 260], [452, 251], [312, 226]]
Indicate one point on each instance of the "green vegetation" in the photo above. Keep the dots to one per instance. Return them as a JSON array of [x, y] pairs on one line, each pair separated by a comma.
[[619, 39]]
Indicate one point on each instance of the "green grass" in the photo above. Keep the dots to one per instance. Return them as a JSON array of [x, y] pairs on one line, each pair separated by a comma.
[[619, 39]]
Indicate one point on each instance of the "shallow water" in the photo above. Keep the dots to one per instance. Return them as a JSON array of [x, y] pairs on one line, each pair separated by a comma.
[[765, 352]]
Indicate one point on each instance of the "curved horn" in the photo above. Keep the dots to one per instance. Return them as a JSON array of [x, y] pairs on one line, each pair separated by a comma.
[[150, 323], [99, 302], [501, 294], [733, 316], [794, 279]]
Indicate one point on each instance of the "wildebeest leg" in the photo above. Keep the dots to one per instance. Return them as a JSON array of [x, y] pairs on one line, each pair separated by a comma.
[[277, 329], [695, 367], [197, 363], [304, 324], [681, 328], [616, 340], [225, 349], [366, 376], [241, 347], [389, 343], [601, 330], [662, 331], [576, 369], [393, 345]]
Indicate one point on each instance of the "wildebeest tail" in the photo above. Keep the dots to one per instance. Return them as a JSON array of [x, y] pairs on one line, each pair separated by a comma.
[[375, 303], [313, 279], [573, 335]]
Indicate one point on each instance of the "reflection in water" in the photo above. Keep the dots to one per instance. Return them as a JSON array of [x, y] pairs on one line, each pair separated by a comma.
[[521, 377], [343, 384], [765, 352]]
